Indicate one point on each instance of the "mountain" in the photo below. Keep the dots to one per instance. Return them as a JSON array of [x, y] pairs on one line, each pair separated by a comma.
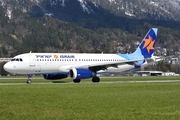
[[85, 25], [73, 9], [150, 9]]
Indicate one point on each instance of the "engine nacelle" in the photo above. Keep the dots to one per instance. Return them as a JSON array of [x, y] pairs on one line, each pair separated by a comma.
[[138, 63], [54, 76], [80, 73]]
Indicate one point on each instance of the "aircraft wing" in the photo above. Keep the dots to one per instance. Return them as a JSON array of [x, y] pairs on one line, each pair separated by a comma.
[[97, 67]]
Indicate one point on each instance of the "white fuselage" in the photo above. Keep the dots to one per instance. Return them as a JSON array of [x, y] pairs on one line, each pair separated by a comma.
[[42, 63]]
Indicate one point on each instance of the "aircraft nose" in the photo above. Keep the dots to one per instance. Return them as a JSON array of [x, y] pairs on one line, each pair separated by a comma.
[[7, 67]]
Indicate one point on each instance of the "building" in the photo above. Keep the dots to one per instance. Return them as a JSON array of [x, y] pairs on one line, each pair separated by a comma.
[[170, 74], [155, 73], [148, 73]]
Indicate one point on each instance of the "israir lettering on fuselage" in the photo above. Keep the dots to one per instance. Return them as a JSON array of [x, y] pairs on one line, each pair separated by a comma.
[[43, 56], [67, 56], [55, 56]]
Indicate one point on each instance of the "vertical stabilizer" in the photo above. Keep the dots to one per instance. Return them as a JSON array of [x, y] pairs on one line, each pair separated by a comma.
[[146, 48]]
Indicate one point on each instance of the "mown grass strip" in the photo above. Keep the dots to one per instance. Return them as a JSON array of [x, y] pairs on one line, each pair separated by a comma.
[[22, 79], [137, 101]]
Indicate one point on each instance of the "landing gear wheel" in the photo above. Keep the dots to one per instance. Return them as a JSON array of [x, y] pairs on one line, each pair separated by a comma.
[[76, 80], [28, 81], [95, 79]]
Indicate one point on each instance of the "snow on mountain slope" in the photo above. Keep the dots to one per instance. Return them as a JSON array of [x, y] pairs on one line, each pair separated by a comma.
[[152, 9], [157, 9]]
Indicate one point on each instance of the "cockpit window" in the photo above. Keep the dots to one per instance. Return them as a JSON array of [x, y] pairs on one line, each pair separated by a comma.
[[17, 59], [13, 59]]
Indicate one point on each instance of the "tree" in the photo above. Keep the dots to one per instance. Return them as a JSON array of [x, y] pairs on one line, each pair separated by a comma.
[[2, 71]]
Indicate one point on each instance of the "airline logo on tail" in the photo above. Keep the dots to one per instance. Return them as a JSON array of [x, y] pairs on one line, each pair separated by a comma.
[[148, 43]]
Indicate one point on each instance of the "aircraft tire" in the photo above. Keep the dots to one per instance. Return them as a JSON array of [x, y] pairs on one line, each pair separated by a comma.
[[95, 79], [29, 81], [76, 80]]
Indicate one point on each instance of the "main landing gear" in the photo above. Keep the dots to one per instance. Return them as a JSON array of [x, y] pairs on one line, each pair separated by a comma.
[[29, 81], [94, 80], [77, 80]]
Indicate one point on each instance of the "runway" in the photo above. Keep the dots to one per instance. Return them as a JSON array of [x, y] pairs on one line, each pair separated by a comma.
[[106, 82]]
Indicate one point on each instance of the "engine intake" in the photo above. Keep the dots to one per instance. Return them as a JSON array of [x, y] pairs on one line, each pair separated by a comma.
[[80, 73]]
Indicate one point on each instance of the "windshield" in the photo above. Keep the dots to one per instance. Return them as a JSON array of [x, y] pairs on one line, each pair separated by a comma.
[[17, 59]]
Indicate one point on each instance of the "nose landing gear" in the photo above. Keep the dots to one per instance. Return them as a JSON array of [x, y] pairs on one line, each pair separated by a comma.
[[29, 81]]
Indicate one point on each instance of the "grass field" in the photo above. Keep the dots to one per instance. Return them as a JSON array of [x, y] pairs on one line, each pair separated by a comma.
[[108, 101]]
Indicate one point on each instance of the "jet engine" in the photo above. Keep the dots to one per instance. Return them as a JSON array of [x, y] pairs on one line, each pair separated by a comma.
[[54, 76], [80, 73]]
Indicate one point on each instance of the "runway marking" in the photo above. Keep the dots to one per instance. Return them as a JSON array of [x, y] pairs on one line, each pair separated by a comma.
[[108, 82]]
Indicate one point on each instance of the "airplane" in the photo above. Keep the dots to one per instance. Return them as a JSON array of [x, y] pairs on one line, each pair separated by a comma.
[[54, 66]]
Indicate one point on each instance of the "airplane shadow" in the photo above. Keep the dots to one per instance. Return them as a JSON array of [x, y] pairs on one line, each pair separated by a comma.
[[59, 82]]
